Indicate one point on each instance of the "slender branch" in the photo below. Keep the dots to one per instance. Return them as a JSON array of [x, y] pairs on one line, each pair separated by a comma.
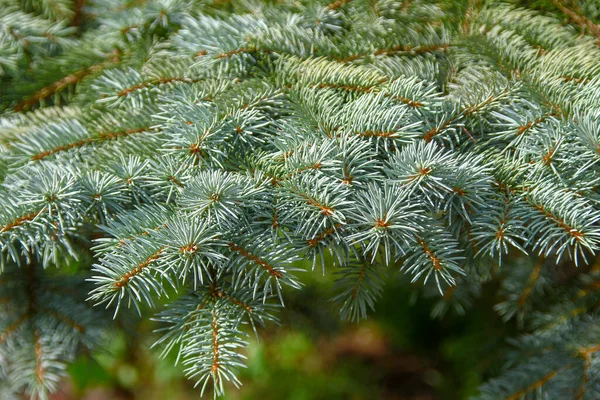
[[264, 264], [586, 354], [322, 235], [449, 292], [215, 342], [361, 277], [159, 81], [524, 128], [578, 235], [275, 219], [349, 88], [412, 103], [66, 320], [412, 49], [123, 241], [533, 277], [325, 209], [68, 80], [314, 166], [232, 300], [13, 327], [104, 136], [39, 352], [336, 4], [384, 134], [124, 280], [435, 260], [537, 384], [78, 10], [19, 221], [578, 18], [429, 135]]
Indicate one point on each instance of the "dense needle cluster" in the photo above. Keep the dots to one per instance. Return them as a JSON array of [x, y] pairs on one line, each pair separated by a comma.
[[202, 147]]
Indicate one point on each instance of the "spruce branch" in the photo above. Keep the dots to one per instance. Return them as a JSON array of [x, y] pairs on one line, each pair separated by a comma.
[[202, 150]]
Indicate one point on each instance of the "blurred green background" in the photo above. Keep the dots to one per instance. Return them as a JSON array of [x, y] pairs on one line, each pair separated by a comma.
[[399, 352]]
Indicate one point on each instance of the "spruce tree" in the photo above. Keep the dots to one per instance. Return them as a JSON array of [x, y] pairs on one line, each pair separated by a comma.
[[197, 149]]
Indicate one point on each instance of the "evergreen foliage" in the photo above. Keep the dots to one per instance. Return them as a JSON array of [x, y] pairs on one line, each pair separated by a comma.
[[202, 147]]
